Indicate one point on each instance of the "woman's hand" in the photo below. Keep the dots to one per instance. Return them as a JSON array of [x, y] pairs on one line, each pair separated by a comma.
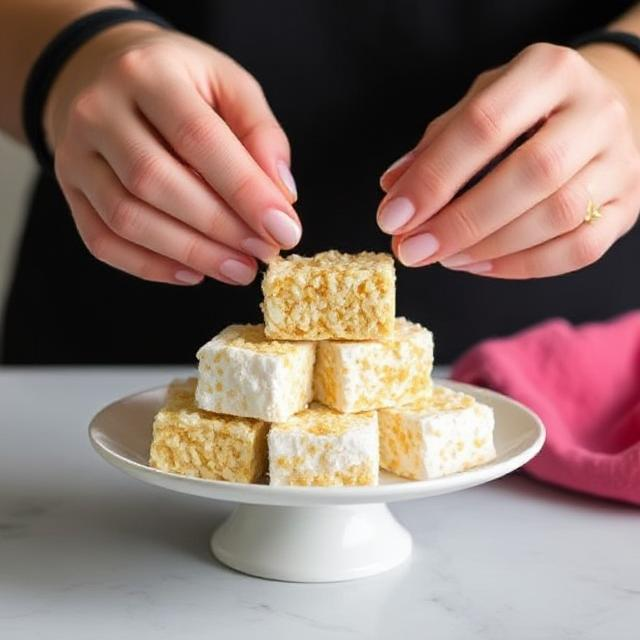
[[171, 160], [526, 218]]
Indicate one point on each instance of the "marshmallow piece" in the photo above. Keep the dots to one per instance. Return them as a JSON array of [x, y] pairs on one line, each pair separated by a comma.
[[192, 442], [360, 376], [320, 447], [448, 433], [241, 373], [330, 295]]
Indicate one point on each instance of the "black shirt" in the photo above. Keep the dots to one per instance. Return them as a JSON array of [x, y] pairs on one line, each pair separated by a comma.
[[354, 85]]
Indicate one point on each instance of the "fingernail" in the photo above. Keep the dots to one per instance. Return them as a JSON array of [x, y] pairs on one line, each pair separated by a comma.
[[395, 214], [399, 162], [282, 228], [259, 249], [237, 271], [458, 260], [417, 248], [188, 277], [478, 267], [287, 178]]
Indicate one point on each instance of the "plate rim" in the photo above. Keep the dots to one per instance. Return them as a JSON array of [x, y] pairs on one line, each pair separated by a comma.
[[410, 489]]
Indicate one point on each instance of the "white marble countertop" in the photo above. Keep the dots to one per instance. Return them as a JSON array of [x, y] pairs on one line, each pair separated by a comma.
[[88, 553]]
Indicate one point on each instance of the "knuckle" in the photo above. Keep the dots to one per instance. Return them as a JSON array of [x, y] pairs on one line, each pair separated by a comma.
[[143, 175], [464, 226], [98, 246], [615, 110], [147, 269], [586, 250], [484, 118], [566, 209], [85, 109], [243, 188], [131, 63], [429, 181], [543, 163], [192, 253], [124, 218], [195, 133]]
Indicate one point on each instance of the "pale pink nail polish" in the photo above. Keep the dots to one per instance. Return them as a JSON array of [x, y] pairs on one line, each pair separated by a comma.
[[417, 248], [395, 214], [259, 249], [188, 277], [399, 162], [237, 271], [457, 260], [282, 228], [478, 267], [287, 178]]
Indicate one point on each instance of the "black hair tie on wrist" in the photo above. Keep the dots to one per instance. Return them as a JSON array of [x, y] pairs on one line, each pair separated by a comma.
[[628, 41], [52, 59]]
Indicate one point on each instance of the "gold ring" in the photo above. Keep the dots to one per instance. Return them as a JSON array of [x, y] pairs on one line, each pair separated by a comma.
[[594, 212]]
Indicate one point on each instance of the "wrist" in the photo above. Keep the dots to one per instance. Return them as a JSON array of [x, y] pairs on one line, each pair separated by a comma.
[[622, 68], [85, 65]]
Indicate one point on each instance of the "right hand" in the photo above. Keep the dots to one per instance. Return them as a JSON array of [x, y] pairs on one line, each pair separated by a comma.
[[170, 158]]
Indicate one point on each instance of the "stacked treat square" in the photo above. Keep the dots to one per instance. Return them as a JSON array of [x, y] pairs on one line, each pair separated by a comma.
[[331, 388]]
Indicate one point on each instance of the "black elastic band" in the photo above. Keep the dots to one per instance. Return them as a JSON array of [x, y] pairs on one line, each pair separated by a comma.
[[52, 59], [629, 41]]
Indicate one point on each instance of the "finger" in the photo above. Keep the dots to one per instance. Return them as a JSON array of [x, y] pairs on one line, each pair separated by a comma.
[[488, 123], [142, 224], [244, 107], [558, 214], [149, 172], [530, 174], [205, 142], [570, 252], [109, 248], [398, 168]]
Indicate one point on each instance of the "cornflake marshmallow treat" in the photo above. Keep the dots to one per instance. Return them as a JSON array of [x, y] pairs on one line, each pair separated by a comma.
[[193, 442], [330, 295], [241, 373], [320, 447], [360, 376], [447, 433]]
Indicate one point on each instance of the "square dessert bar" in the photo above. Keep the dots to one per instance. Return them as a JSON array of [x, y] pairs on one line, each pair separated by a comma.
[[193, 442], [330, 295], [360, 376], [320, 447], [241, 373], [444, 434]]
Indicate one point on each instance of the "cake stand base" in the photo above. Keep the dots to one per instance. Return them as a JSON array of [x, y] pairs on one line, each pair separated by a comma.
[[311, 544]]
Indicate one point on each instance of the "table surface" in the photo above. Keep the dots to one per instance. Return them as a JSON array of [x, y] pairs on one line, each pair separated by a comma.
[[88, 553]]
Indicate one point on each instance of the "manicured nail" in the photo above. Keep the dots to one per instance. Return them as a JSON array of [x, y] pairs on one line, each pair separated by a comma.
[[457, 260], [399, 162], [188, 277], [417, 248], [287, 178], [395, 214], [237, 271], [282, 228], [478, 267], [259, 249]]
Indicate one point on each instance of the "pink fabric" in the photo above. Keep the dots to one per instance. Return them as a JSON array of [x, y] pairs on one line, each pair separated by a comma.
[[584, 383]]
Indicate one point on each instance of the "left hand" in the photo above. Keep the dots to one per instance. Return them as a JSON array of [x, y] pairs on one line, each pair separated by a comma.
[[526, 218]]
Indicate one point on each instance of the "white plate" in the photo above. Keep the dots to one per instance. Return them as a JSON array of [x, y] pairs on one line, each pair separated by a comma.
[[300, 533]]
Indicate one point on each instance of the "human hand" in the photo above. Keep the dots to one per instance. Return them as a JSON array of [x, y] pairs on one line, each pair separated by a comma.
[[524, 219], [171, 160]]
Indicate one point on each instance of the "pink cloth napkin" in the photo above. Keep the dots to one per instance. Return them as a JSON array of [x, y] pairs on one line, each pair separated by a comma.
[[584, 383]]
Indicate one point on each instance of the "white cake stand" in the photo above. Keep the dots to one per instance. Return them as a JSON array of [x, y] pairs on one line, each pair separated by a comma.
[[310, 534]]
